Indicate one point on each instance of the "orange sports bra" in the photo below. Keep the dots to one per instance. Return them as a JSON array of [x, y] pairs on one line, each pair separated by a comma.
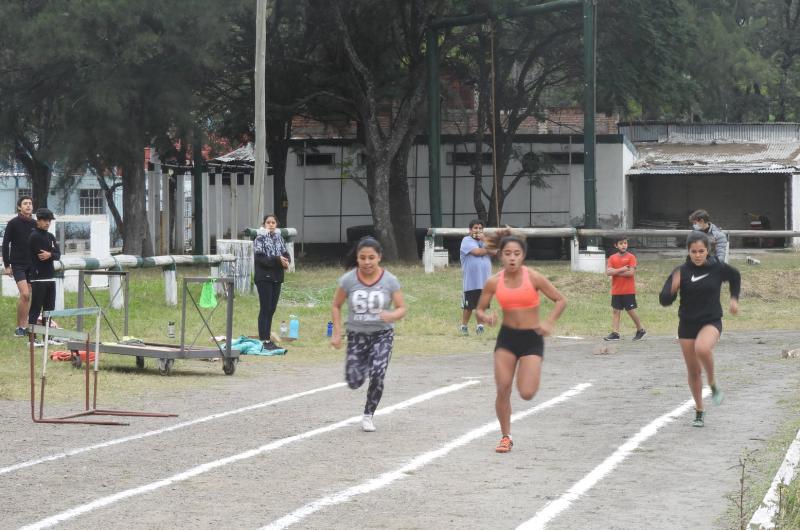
[[523, 297]]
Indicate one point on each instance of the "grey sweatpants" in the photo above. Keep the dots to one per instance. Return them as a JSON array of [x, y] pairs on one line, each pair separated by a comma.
[[368, 354]]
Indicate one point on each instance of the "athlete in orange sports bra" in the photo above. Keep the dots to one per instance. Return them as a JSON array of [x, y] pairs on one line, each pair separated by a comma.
[[520, 344]]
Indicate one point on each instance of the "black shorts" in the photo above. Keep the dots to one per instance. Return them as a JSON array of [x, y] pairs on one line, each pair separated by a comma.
[[520, 342], [21, 272], [690, 329], [470, 299], [623, 301]]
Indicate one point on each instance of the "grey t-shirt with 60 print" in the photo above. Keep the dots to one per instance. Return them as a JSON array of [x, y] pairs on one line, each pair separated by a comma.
[[365, 302]]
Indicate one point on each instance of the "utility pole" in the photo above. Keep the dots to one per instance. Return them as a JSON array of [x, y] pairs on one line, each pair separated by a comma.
[[260, 148]]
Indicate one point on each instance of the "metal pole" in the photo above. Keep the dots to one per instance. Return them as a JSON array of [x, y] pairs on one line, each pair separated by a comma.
[[197, 198], [434, 129], [589, 162], [259, 171]]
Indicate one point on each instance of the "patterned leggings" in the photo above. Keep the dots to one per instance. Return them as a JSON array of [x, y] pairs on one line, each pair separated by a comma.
[[368, 354]]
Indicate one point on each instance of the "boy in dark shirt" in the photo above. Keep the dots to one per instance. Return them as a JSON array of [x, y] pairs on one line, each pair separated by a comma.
[[17, 259], [44, 251]]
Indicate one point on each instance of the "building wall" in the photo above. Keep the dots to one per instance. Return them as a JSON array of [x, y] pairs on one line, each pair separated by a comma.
[[324, 201]]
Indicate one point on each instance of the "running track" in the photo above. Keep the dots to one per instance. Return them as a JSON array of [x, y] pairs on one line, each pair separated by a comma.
[[606, 444]]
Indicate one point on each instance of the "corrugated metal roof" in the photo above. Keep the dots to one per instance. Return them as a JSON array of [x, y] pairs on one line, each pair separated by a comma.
[[243, 155], [711, 132], [717, 153], [716, 169]]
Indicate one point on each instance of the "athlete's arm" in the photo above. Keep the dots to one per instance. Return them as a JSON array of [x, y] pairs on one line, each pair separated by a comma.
[[544, 285], [483, 302], [734, 278], [670, 290], [336, 317], [399, 310]]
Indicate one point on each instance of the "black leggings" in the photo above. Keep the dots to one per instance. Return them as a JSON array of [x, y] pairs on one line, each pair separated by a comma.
[[268, 294]]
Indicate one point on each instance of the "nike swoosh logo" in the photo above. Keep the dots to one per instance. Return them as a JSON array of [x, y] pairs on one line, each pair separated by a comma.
[[697, 278]]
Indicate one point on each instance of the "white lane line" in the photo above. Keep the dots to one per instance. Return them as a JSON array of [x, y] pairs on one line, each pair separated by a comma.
[[209, 466], [764, 517], [133, 437], [415, 464], [554, 508]]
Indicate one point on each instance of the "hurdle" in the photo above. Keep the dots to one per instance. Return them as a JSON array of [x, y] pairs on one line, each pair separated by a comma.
[[90, 407]]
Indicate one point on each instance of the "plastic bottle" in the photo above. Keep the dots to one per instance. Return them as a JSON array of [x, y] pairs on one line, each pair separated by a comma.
[[329, 333], [294, 327], [284, 329]]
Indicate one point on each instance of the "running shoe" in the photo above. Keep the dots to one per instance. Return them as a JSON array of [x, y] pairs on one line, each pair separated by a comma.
[[20, 332], [698, 419], [479, 329], [366, 423], [612, 336], [38, 343], [269, 345], [463, 330], [504, 445], [716, 395], [54, 342], [640, 334]]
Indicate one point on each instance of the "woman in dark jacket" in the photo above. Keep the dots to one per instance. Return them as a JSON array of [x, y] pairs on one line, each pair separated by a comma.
[[271, 259]]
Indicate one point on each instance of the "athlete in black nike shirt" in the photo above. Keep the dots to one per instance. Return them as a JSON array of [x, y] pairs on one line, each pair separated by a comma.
[[699, 282]]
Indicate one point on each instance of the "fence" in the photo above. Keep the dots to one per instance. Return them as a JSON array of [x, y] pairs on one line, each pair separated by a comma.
[[430, 255]]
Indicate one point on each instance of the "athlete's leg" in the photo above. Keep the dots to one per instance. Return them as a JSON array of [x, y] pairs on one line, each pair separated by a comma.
[[465, 316], [615, 320], [24, 303], [505, 363], [356, 364], [694, 371], [637, 322], [704, 348], [380, 354], [529, 374]]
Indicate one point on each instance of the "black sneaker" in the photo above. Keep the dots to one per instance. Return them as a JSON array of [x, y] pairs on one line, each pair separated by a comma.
[[270, 346], [612, 336], [20, 332], [698, 419], [640, 334]]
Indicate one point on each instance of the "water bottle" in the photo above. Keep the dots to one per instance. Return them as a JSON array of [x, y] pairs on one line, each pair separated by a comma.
[[294, 327], [284, 329], [171, 330], [330, 329]]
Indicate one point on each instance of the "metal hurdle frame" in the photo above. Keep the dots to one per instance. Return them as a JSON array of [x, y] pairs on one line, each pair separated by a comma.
[[90, 409]]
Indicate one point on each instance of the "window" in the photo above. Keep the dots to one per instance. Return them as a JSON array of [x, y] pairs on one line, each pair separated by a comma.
[[91, 202], [23, 192], [461, 158], [316, 159]]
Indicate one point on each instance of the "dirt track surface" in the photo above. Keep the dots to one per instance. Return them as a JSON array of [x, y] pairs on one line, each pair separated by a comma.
[[678, 478]]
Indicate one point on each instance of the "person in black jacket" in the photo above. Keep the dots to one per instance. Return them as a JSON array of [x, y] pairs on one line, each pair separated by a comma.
[[271, 259], [44, 252], [17, 260], [699, 282]]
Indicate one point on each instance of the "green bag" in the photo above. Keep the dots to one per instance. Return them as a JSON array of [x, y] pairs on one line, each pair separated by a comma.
[[208, 296]]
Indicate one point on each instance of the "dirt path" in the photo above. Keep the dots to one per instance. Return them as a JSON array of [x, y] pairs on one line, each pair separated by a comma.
[[678, 478]]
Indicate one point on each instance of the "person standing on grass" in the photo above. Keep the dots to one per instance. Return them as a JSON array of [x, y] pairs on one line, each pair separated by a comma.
[[701, 222], [17, 259], [476, 267], [699, 281], [271, 260], [622, 267], [44, 252], [370, 291], [520, 343]]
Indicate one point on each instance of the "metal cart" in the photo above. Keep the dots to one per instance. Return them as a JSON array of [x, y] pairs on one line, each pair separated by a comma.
[[165, 354]]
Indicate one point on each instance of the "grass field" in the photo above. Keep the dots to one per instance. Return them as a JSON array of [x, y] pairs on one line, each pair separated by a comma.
[[769, 301]]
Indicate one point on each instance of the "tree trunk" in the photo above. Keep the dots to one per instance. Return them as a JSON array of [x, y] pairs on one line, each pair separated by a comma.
[[136, 231], [112, 205], [38, 172], [378, 170], [401, 214]]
